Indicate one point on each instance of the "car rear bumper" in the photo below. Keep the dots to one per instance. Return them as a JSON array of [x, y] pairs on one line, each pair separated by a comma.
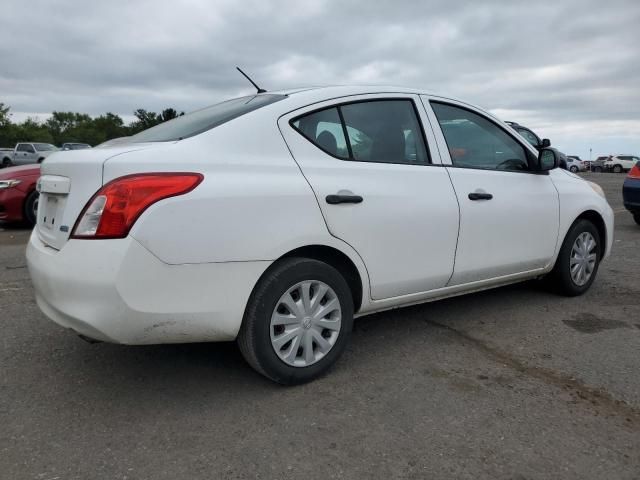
[[117, 291], [631, 194]]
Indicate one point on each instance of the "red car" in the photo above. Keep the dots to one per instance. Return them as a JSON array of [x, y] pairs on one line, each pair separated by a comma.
[[18, 195]]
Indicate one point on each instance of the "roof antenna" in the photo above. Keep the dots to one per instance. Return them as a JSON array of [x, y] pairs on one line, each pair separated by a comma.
[[260, 90]]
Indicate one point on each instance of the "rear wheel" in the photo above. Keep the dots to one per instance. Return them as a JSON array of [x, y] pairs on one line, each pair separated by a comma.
[[31, 208], [6, 163], [577, 263], [297, 322], [636, 217], [617, 169], [597, 169]]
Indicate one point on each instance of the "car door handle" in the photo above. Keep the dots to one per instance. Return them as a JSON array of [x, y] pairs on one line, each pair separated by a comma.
[[336, 199], [480, 196]]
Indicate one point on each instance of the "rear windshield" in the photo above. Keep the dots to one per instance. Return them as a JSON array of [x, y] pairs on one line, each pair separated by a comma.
[[203, 120]]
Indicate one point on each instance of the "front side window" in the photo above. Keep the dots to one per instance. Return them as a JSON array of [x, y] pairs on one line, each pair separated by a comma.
[[476, 142], [382, 131], [529, 136]]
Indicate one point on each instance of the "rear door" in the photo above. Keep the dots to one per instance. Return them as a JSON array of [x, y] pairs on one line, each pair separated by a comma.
[[25, 154], [380, 187], [509, 215]]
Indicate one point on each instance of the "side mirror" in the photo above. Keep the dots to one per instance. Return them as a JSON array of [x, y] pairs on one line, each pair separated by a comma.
[[546, 143], [547, 160]]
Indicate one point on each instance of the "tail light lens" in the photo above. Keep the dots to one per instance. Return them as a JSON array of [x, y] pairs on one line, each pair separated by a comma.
[[117, 205], [635, 171]]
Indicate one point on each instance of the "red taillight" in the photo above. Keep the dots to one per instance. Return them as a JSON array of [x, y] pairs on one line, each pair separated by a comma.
[[116, 206], [635, 171]]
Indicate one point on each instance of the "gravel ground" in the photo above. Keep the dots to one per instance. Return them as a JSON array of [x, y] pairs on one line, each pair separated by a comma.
[[513, 383]]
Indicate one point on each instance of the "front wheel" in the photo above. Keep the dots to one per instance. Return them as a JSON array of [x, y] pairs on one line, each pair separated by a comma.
[[597, 169], [297, 322], [636, 217], [573, 169], [578, 260], [31, 208]]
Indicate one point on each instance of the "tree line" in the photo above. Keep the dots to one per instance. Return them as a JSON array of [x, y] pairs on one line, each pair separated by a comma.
[[65, 127]]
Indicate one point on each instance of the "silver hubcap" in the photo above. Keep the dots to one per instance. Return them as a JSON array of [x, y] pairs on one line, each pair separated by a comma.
[[35, 207], [583, 258], [305, 323]]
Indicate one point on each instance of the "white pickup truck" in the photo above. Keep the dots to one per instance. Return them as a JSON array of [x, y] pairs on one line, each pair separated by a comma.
[[25, 153]]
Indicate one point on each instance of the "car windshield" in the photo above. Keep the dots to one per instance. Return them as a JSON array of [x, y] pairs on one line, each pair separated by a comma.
[[202, 120], [44, 147]]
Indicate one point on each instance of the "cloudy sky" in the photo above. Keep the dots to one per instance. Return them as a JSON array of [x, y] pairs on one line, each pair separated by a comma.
[[569, 69]]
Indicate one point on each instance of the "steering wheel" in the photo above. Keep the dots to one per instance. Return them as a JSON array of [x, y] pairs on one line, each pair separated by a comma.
[[511, 164]]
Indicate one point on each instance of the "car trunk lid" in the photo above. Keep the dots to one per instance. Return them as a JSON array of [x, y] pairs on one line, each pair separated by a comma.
[[68, 180]]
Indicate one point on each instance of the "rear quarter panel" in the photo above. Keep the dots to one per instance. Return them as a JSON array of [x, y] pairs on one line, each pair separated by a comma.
[[253, 204]]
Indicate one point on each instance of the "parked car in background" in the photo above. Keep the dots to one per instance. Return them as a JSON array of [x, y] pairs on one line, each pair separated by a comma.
[[74, 146], [621, 163], [575, 165], [18, 194], [631, 192], [597, 165], [319, 204], [539, 144], [25, 153]]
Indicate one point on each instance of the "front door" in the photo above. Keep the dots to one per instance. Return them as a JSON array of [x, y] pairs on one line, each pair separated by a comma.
[[509, 215], [367, 159]]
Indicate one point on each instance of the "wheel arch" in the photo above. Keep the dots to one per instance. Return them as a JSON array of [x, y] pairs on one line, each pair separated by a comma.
[[338, 260], [595, 218]]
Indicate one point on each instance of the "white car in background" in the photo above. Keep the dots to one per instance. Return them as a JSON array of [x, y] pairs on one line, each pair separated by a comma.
[[26, 153], [575, 164], [276, 218], [621, 163]]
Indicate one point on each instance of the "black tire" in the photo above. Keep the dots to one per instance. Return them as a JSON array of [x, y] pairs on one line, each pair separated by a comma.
[[597, 169], [617, 169], [254, 338], [573, 169], [636, 217], [6, 163], [560, 276], [30, 205]]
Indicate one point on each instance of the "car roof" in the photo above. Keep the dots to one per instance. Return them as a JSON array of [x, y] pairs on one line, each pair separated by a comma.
[[306, 96], [310, 95]]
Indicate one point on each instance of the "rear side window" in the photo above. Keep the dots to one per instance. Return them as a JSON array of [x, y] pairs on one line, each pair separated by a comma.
[[324, 129], [203, 120], [24, 147], [383, 131]]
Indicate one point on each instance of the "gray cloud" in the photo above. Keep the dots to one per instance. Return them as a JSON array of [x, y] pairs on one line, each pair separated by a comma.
[[570, 68]]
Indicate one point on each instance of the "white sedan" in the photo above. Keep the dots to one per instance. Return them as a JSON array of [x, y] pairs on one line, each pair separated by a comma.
[[276, 218]]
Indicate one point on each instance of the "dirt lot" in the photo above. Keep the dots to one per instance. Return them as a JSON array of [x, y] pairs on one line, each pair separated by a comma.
[[513, 383]]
